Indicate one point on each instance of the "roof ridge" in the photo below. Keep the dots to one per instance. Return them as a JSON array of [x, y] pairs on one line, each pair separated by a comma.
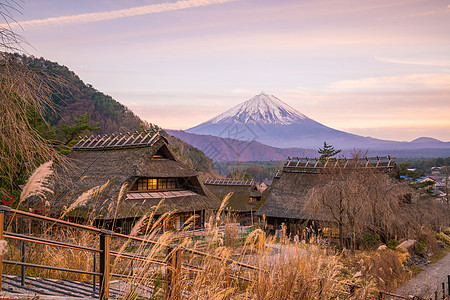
[[135, 139]]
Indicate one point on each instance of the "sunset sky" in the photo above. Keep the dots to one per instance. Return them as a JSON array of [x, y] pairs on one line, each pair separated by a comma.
[[374, 68]]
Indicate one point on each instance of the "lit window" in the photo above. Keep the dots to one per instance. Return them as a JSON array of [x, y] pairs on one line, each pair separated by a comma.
[[156, 183], [152, 184]]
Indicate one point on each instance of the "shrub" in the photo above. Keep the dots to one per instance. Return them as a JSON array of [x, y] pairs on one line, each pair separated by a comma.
[[392, 244], [443, 238]]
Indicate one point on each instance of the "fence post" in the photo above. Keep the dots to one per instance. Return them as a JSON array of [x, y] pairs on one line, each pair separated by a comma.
[[22, 268], [105, 242], [173, 272], [94, 277], [443, 290], [3, 209], [448, 284], [380, 295]]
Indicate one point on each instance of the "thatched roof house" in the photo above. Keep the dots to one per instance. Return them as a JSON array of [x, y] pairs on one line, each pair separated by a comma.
[[285, 199], [124, 176], [245, 193]]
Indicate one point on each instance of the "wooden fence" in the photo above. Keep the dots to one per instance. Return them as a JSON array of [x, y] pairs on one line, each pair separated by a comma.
[[172, 262]]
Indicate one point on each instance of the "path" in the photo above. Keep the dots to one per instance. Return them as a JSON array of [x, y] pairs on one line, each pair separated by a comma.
[[429, 280], [50, 289]]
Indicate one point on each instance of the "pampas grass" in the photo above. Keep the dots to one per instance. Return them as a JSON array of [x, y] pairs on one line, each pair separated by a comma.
[[38, 183], [85, 197], [283, 271], [123, 190]]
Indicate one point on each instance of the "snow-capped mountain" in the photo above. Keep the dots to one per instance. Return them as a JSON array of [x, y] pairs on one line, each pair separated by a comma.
[[268, 120], [261, 109]]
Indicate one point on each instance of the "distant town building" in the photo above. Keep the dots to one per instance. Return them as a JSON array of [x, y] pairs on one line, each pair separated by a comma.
[[245, 198]]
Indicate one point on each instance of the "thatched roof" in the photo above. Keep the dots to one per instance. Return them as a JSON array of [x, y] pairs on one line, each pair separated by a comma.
[[286, 197], [119, 167], [242, 191]]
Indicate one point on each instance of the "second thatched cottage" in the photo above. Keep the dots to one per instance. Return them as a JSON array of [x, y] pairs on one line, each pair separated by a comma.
[[285, 200]]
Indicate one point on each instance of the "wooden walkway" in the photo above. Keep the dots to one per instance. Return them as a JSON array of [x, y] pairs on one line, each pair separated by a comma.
[[46, 288]]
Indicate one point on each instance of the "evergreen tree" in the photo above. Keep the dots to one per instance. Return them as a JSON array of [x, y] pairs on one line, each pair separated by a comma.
[[327, 151]]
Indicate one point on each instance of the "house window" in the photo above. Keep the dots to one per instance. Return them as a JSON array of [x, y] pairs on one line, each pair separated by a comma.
[[156, 184], [254, 199], [171, 183]]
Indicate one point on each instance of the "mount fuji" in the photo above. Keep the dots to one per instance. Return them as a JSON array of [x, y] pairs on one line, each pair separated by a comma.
[[268, 120]]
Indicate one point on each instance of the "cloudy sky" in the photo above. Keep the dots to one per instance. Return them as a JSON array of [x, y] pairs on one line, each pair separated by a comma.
[[374, 68]]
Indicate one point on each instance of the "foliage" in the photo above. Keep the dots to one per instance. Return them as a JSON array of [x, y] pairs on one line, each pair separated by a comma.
[[371, 240], [191, 156], [76, 99], [7, 200], [327, 151], [240, 175], [425, 165], [78, 108], [392, 244], [259, 170], [409, 174], [70, 133]]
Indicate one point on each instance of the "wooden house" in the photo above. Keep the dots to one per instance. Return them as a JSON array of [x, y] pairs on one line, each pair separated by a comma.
[[284, 200], [126, 176], [245, 198]]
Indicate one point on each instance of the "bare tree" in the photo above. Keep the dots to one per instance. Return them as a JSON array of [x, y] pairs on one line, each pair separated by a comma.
[[358, 201]]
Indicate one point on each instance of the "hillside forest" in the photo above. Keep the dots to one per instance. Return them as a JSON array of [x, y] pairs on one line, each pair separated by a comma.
[[72, 109]]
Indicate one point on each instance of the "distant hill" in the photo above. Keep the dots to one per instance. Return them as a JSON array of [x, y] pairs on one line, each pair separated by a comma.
[[225, 149], [72, 98], [270, 121]]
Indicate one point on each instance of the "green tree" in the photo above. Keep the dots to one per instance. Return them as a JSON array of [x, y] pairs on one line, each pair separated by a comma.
[[240, 175], [70, 133], [327, 151]]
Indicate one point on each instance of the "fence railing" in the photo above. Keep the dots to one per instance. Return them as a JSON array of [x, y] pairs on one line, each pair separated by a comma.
[[172, 262]]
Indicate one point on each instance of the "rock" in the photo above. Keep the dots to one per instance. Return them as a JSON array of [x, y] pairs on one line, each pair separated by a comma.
[[407, 244], [382, 248]]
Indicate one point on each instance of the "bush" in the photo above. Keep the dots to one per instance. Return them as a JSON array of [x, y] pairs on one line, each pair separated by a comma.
[[392, 244], [443, 238], [420, 246], [370, 240]]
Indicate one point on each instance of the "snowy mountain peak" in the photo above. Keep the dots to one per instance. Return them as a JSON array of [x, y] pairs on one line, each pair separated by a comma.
[[261, 109]]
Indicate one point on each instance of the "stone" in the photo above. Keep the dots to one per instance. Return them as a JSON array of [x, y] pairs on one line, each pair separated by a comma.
[[382, 248], [407, 244]]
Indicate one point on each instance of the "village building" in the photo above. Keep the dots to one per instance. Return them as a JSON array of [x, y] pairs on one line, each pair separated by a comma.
[[245, 198], [284, 201], [119, 178]]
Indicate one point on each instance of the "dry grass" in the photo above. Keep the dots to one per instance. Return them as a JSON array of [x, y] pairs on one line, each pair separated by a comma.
[[375, 270], [285, 270], [290, 272]]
